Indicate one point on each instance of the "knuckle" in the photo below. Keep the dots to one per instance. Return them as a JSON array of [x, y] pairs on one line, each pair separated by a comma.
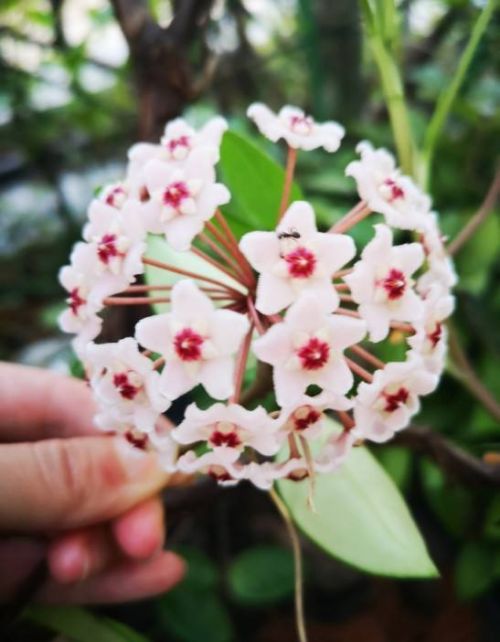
[[63, 474]]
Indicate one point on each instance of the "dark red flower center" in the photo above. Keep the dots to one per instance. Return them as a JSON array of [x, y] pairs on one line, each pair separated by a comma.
[[229, 439], [174, 143], [394, 284], [310, 417], [175, 194], [301, 263], [187, 344], [435, 336], [107, 248], [136, 439], [219, 473], [144, 194], [115, 196], [396, 399], [395, 191], [314, 354], [126, 389], [75, 301]]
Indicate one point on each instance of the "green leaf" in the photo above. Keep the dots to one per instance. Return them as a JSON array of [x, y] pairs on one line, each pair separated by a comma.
[[474, 571], [397, 464], [159, 250], [255, 181], [262, 575], [361, 518], [193, 615], [80, 625]]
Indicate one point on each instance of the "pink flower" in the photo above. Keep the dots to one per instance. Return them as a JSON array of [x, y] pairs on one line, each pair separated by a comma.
[[116, 238], [231, 426], [382, 186], [125, 386], [299, 130], [387, 404], [264, 474], [307, 348], [115, 195], [381, 283], [197, 340], [441, 268], [295, 259], [184, 198]]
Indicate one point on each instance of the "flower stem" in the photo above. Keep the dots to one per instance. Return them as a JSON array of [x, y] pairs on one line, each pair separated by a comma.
[[359, 370], [241, 365], [188, 273], [367, 356], [297, 558], [342, 223], [291, 160]]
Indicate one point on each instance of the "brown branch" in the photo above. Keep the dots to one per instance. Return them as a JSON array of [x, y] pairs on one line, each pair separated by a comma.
[[479, 217], [453, 460], [467, 376]]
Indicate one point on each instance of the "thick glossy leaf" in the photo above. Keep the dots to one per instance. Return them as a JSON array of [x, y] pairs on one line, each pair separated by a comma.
[[255, 181], [159, 250], [361, 518], [262, 575], [80, 625]]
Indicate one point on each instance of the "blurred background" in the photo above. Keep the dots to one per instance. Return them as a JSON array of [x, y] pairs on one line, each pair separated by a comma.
[[79, 83]]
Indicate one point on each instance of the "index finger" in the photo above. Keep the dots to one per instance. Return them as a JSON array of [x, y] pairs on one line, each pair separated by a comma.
[[39, 404]]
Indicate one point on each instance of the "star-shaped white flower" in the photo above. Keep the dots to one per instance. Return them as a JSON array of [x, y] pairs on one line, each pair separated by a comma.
[[299, 130], [78, 279], [382, 285], [117, 240], [295, 259], [305, 417], [183, 199], [385, 190], [307, 348], [440, 266], [230, 426], [125, 386], [197, 340], [430, 339], [387, 404], [177, 143]]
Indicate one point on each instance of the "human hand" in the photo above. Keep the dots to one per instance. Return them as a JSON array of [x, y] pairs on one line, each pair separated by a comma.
[[82, 500]]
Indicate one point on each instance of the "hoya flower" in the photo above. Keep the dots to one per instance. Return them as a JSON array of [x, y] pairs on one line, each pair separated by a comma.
[[385, 190], [80, 317], [305, 417], [115, 195], [117, 240], [295, 259], [230, 426], [264, 474], [430, 339], [307, 348], [221, 464], [382, 285], [441, 268], [387, 404], [125, 386], [197, 340], [177, 143], [296, 128], [184, 198]]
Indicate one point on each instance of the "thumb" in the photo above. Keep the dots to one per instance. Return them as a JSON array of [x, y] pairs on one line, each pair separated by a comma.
[[66, 483]]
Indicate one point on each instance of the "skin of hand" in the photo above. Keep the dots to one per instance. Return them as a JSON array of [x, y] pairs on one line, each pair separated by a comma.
[[85, 502]]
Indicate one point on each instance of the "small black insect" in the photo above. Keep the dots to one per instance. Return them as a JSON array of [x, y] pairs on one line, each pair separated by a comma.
[[290, 234]]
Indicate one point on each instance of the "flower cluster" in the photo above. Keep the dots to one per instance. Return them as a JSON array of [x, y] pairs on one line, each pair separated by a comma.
[[308, 306]]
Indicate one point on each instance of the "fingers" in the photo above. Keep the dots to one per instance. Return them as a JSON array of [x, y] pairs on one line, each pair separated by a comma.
[[38, 404], [70, 483], [141, 531], [139, 534], [124, 582], [81, 554]]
